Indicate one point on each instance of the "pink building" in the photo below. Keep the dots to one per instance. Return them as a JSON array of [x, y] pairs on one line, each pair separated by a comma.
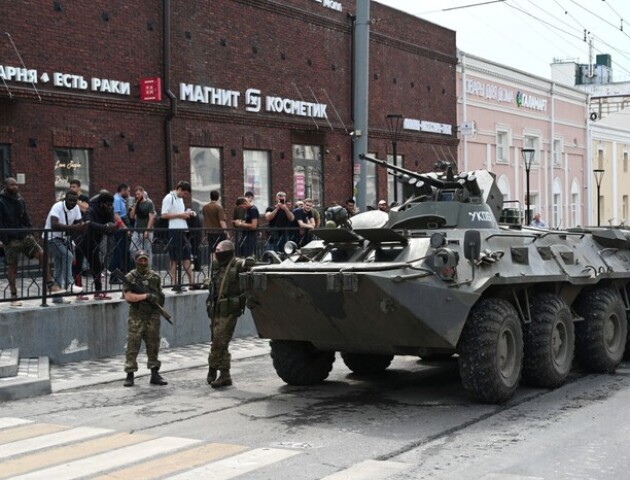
[[501, 111]]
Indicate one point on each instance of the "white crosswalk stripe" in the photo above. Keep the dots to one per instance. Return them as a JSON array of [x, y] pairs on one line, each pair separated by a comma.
[[109, 460], [50, 440], [9, 422], [237, 465], [369, 470], [41, 451]]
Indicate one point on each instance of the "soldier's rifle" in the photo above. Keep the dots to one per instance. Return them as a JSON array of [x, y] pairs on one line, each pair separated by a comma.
[[137, 287]]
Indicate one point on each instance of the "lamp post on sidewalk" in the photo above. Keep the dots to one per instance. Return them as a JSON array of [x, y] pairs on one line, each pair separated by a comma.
[[394, 124], [528, 158], [599, 174]]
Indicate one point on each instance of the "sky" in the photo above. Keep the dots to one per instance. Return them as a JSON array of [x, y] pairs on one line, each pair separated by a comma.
[[531, 34]]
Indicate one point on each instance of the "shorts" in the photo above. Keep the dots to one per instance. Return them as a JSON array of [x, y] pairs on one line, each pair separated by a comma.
[[178, 246], [27, 245]]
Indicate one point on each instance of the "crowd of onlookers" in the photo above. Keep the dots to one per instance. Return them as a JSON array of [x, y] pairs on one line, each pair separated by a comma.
[[78, 227]]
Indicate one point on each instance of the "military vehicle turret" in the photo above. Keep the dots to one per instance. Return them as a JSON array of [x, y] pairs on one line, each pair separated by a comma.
[[439, 276]]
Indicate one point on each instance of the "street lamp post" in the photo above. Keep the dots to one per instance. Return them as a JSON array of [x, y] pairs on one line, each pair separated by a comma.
[[599, 174], [394, 124], [528, 158]]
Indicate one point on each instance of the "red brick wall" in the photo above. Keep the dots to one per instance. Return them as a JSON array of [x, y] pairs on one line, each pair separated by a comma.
[[295, 49]]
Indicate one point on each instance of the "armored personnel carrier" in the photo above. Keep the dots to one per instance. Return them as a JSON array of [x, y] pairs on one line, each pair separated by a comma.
[[440, 276]]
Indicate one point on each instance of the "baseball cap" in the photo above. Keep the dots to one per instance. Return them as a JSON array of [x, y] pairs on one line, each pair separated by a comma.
[[141, 254], [382, 202]]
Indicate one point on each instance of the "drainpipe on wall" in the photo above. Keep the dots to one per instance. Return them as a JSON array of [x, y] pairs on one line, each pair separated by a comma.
[[353, 19], [168, 138], [361, 84], [464, 110], [589, 168]]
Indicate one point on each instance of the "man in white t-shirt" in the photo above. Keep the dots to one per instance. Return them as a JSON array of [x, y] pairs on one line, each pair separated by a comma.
[[63, 219], [174, 210]]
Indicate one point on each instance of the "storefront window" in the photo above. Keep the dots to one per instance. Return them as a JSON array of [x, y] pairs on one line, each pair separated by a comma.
[[307, 173], [205, 174], [256, 176], [70, 164]]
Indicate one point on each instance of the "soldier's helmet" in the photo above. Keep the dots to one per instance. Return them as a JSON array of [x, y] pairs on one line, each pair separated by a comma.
[[337, 214], [225, 246], [141, 254]]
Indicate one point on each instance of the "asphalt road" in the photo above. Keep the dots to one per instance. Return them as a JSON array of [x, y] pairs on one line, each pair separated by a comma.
[[413, 422]]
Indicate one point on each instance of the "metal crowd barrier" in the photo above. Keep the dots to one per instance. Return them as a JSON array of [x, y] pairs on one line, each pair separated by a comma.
[[116, 252]]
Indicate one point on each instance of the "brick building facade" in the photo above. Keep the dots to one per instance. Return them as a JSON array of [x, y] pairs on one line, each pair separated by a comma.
[[256, 95]]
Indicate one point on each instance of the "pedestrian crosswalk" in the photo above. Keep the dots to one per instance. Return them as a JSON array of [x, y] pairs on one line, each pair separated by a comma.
[[35, 450]]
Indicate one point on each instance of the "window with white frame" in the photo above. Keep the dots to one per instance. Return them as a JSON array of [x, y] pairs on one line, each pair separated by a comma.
[[532, 142], [503, 155], [504, 187], [575, 204], [557, 153], [556, 207], [624, 209], [625, 162], [600, 158], [533, 205]]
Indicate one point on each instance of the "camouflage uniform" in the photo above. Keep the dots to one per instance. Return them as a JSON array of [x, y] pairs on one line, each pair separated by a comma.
[[224, 311], [144, 322]]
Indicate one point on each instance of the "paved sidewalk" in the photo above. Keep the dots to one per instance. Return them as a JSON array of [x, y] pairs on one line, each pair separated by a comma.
[[110, 369]]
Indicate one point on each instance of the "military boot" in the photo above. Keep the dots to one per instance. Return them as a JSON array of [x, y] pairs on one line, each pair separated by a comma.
[[129, 380], [224, 380], [156, 378], [212, 375]]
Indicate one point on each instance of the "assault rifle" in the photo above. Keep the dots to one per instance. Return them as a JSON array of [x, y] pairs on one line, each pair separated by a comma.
[[137, 287]]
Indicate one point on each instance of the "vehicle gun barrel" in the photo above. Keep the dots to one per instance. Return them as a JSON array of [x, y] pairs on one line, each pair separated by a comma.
[[434, 182]]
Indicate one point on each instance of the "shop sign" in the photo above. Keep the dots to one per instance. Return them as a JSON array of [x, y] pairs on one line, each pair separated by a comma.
[[332, 4], [497, 93], [429, 127], [151, 89], [10, 73], [254, 101], [530, 101]]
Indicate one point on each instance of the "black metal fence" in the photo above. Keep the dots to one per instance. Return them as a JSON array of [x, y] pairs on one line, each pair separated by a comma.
[[167, 248]]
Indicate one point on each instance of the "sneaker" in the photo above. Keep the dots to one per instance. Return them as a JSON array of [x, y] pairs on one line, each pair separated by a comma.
[[74, 289], [83, 298], [55, 289], [60, 301], [178, 289], [16, 303], [102, 296]]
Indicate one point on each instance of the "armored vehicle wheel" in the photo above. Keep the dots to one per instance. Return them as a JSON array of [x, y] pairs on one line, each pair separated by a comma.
[[300, 363], [491, 351], [364, 363], [548, 342], [600, 339]]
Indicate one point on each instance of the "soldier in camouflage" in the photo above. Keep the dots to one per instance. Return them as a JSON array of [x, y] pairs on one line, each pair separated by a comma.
[[144, 318], [225, 304]]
